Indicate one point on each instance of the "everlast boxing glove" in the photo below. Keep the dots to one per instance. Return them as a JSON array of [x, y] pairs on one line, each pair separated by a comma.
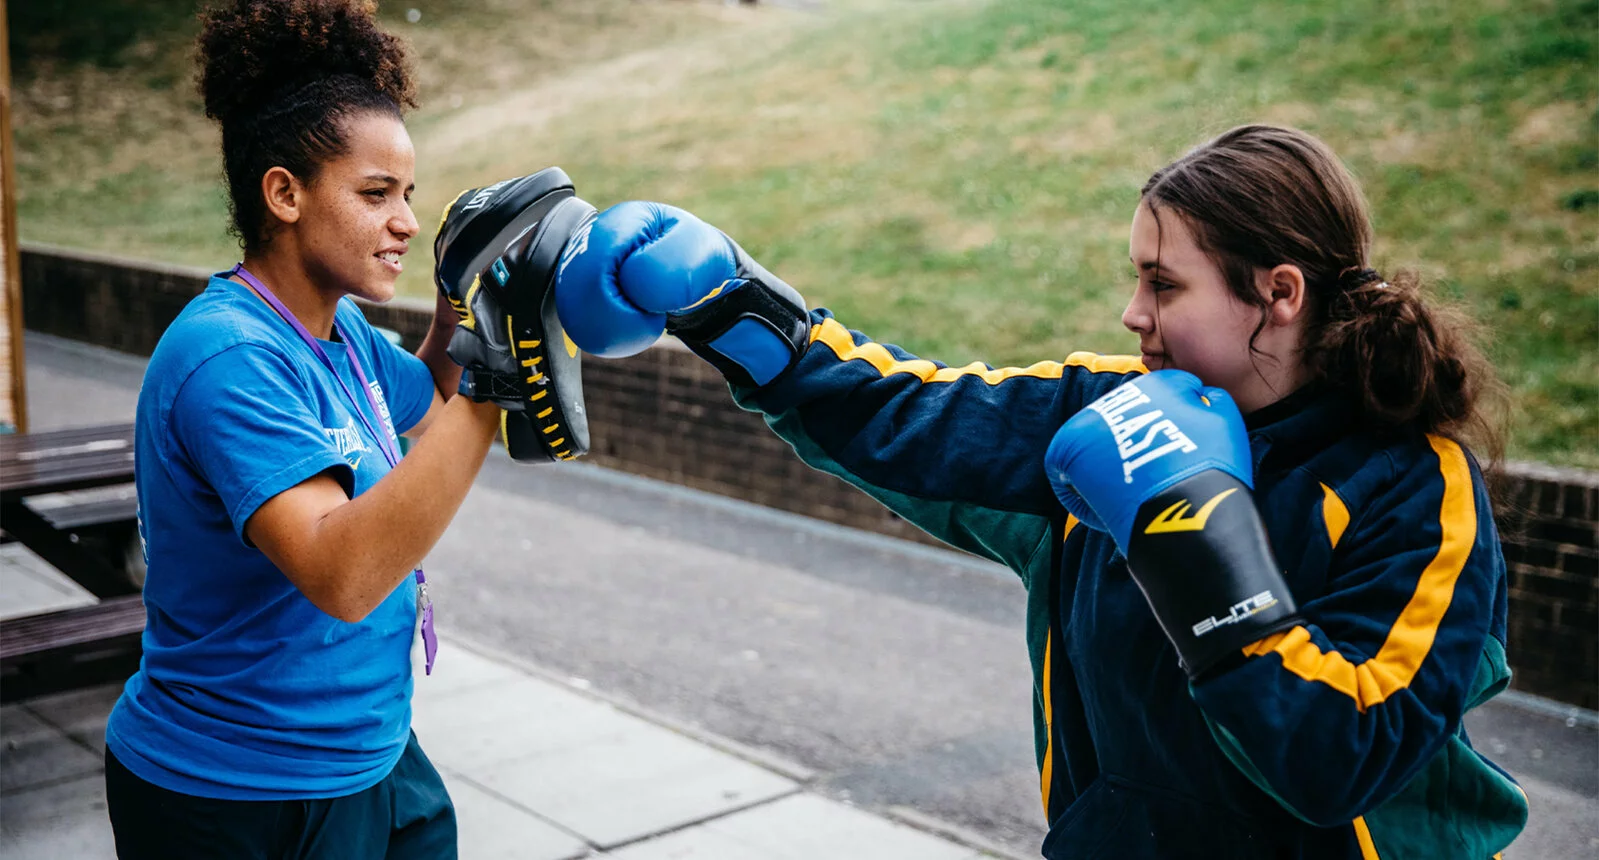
[[1163, 464], [643, 268]]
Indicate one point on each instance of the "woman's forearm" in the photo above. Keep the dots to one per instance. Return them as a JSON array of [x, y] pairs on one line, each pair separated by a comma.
[[368, 545]]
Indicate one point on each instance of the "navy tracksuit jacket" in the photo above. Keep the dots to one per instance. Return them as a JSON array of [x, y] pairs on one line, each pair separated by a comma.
[[1340, 738]]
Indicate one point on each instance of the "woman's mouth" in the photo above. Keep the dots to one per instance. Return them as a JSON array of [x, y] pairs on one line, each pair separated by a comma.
[[391, 261]]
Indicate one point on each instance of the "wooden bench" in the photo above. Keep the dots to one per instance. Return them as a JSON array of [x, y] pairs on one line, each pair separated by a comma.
[[83, 509], [37, 465], [70, 648], [103, 522], [85, 535]]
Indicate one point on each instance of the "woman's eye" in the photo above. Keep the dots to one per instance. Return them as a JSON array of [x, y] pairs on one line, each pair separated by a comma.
[[375, 193], [1155, 284]]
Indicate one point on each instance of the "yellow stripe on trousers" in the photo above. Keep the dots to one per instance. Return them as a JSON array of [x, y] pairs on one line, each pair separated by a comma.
[[1046, 771], [1368, 849]]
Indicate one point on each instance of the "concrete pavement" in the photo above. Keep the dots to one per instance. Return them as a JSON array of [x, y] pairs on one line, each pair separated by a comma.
[[538, 769]]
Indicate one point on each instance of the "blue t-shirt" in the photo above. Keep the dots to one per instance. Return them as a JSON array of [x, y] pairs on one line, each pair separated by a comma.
[[246, 690]]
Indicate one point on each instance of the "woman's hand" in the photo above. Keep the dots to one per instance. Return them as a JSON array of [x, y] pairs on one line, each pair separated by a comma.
[[446, 373]]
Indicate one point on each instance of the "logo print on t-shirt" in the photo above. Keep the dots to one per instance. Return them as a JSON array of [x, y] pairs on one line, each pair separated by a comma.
[[383, 410], [348, 440]]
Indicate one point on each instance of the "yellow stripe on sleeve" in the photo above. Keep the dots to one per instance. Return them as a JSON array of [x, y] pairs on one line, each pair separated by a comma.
[[1412, 635], [1335, 514], [838, 339]]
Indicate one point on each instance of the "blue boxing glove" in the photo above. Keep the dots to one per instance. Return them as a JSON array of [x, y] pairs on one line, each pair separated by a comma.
[[640, 269], [1163, 464]]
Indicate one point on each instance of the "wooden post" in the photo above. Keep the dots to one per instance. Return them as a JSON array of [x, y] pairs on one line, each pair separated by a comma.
[[14, 399]]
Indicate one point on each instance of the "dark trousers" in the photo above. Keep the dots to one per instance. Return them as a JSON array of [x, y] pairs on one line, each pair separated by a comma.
[[407, 815]]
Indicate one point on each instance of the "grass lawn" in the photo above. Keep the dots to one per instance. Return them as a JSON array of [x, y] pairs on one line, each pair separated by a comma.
[[955, 177]]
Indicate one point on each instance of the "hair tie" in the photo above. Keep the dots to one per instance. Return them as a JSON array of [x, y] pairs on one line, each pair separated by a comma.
[[1355, 278]]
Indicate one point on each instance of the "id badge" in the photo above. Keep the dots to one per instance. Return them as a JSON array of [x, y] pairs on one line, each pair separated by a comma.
[[425, 642]]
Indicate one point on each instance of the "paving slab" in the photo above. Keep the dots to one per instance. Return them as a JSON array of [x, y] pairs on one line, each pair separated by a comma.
[[36, 753], [493, 828], [81, 714], [801, 827], [1560, 823], [608, 776], [573, 761], [475, 729], [618, 789], [457, 669], [57, 821]]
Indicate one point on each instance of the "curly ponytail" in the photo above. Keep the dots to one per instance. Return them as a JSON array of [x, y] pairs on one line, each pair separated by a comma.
[[1259, 196], [1406, 359], [281, 76]]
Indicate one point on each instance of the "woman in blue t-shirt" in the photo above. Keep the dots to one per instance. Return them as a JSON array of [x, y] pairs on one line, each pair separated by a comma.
[[270, 716]]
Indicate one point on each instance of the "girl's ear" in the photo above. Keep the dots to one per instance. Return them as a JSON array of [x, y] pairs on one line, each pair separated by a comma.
[[1283, 287], [282, 191]]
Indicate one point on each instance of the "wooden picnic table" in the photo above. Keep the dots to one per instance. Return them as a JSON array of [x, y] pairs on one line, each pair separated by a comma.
[[60, 460], [40, 464], [69, 648]]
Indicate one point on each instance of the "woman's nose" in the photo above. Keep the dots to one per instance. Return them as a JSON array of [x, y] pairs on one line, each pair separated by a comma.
[[405, 224], [1137, 317]]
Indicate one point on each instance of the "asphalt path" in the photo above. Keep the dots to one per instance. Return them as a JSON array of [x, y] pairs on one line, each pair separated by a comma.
[[896, 672]]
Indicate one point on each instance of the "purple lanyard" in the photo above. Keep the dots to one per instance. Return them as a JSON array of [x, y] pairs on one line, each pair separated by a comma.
[[424, 604]]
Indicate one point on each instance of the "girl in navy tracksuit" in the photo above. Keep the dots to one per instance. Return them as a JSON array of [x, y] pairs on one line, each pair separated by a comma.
[[1338, 738], [1335, 733]]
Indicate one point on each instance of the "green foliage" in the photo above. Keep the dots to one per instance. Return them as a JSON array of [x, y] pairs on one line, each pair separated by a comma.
[[110, 33]]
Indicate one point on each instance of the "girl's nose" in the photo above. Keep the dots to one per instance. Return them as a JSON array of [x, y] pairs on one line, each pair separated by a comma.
[[1138, 318]]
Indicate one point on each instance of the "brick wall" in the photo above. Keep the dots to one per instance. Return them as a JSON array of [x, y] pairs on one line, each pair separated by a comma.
[[666, 414], [1546, 520]]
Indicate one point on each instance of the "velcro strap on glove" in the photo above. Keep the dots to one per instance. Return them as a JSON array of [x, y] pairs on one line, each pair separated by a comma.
[[752, 332]]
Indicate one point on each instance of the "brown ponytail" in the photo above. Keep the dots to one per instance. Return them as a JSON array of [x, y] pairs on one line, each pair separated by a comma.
[[1407, 359], [1260, 196]]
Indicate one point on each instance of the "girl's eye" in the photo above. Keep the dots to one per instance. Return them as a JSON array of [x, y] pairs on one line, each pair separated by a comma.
[[375, 193], [1155, 284]]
